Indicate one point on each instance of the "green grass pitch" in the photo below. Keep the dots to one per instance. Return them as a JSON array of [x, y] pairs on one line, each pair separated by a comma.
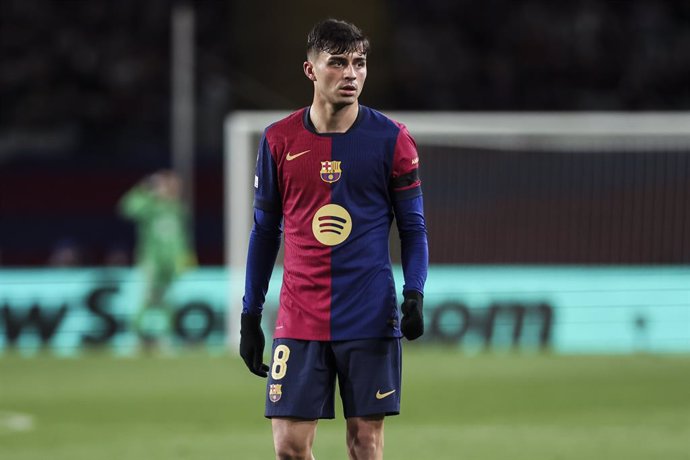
[[455, 406]]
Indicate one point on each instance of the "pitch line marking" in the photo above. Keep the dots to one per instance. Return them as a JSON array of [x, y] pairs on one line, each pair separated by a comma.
[[15, 422]]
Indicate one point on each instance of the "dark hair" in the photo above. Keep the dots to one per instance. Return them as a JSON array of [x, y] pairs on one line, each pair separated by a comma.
[[336, 37]]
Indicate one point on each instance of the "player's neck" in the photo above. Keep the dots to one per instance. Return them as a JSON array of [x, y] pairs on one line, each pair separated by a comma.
[[328, 118]]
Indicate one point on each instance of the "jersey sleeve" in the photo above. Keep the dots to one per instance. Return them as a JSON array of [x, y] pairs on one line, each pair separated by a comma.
[[264, 243], [404, 181], [266, 186], [414, 248], [136, 203]]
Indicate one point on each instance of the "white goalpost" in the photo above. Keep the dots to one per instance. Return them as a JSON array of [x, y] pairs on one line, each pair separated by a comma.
[[531, 131]]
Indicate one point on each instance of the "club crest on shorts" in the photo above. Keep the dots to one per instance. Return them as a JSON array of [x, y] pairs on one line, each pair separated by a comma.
[[330, 171], [275, 392]]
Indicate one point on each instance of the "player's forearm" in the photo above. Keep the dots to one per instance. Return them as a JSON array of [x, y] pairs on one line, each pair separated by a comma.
[[135, 202], [415, 263], [264, 243], [414, 247]]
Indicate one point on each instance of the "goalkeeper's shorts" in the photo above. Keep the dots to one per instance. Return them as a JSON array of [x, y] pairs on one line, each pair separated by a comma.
[[301, 380]]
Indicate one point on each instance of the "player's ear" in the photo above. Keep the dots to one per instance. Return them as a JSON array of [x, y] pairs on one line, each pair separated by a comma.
[[309, 70]]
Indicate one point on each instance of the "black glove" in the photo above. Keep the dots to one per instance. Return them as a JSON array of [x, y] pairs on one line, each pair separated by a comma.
[[252, 344], [412, 324]]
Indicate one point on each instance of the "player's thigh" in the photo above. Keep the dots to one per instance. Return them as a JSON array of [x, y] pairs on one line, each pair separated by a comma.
[[301, 380], [365, 426], [369, 376], [295, 436], [158, 277]]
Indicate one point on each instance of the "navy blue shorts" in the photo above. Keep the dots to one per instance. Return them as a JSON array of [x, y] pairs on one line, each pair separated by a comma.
[[301, 381]]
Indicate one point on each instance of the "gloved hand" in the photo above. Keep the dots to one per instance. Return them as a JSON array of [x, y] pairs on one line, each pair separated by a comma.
[[252, 344], [412, 324]]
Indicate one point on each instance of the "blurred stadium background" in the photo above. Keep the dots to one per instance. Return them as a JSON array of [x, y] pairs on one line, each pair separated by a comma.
[[555, 141]]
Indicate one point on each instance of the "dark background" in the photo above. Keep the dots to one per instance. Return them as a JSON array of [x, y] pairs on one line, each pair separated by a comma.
[[85, 102]]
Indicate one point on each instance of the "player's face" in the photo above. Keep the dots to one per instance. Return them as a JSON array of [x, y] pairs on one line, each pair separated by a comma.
[[168, 186], [338, 78]]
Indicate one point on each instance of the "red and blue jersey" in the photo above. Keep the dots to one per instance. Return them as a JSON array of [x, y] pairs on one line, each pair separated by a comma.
[[337, 194]]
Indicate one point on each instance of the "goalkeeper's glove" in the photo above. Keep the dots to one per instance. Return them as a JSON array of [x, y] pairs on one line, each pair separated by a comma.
[[412, 324], [252, 344]]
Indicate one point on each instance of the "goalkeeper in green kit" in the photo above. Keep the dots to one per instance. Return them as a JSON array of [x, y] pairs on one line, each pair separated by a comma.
[[163, 249]]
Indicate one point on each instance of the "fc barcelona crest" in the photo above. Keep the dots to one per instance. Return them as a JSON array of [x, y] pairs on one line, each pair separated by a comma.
[[330, 171], [275, 392]]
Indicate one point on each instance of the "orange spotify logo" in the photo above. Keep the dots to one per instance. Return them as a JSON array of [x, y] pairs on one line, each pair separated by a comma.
[[331, 225]]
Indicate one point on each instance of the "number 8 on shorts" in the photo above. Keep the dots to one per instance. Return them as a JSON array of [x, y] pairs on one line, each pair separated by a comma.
[[280, 358]]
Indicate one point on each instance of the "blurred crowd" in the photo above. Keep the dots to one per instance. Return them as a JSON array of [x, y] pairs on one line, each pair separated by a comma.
[[89, 77], [543, 55], [85, 76]]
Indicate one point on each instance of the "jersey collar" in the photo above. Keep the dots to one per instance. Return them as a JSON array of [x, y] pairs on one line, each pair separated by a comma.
[[308, 125]]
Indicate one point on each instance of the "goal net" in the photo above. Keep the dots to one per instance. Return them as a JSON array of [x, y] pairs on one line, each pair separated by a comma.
[[517, 188]]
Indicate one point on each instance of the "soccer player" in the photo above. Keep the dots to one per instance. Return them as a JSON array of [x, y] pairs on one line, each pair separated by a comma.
[[163, 248], [331, 177]]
